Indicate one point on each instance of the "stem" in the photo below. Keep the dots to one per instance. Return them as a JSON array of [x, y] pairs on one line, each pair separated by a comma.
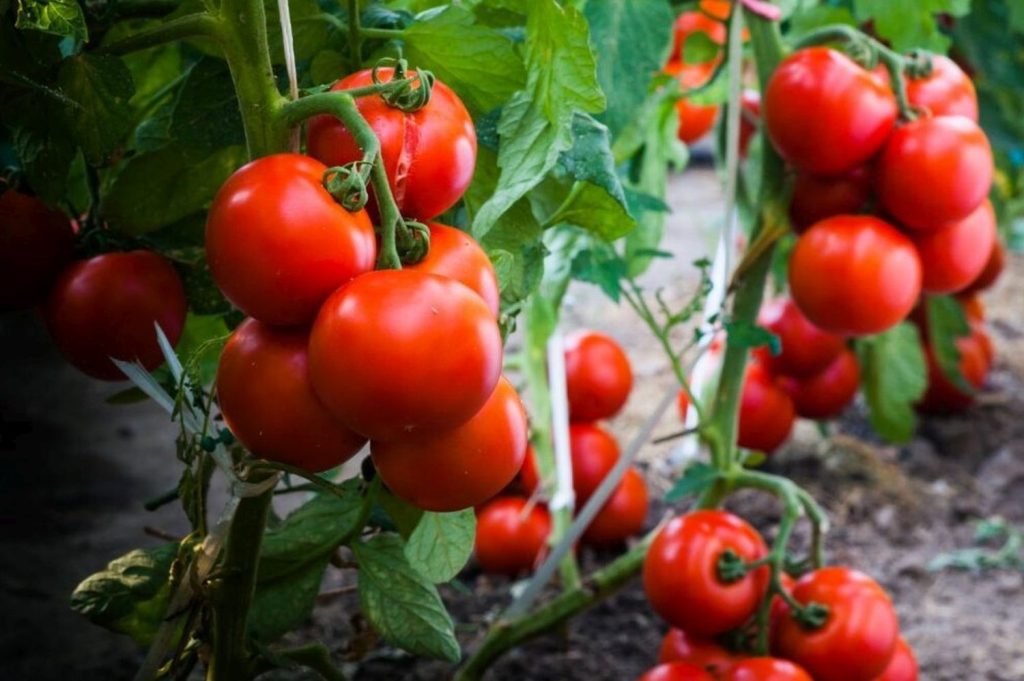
[[355, 39], [315, 481], [380, 33], [195, 25]]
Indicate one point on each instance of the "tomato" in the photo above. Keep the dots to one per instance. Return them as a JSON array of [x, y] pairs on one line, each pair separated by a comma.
[[903, 666], [510, 539], [597, 375], [428, 154], [461, 467], [826, 394], [455, 254], [678, 646], [854, 275], [806, 349], [947, 91], [278, 244], [36, 243], [695, 120], [778, 603], [750, 118], [824, 113], [993, 268], [816, 198], [268, 403], [766, 411], [681, 575], [594, 453], [692, 22], [933, 171], [529, 476], [623, 515], [676, 671], [942, 395], [106, 306], [683, 404], [396, 353], [766, 669], [956, 254], [859, 634]]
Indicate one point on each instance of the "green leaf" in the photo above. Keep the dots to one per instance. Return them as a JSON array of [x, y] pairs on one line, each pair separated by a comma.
[[592, 208], [696, 478], [590, 158], [909, 25], [893, 377], [602, 267], [280, 605], [404, 516], [45, 151], [806, 20], [328, 66], [699, 48], [441, 544], [206, 114], [947, 323], [60, 17], [400, 602], [310, 33], [101, 88], [749, 335], [200, 345]]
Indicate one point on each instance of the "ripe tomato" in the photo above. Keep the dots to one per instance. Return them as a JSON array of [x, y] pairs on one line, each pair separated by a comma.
[[903, 666], [942, 395], [623, 515], [778, 603], [806, 349], [529, 476], [766, 411], [676, 671], [858, 637], [267, 401], [36, 243], [462, 467], [750, 118], [678, 646], [594, 453], [692, 22], [278, 244], [396, 353], [455, 254], [854, 275], [510, 540], [695, 120], [766, 669], [933, 171], [428, 154], [597, 375], [816, 198], [106, 306], [947, 91], [681, 575], [824, 113], [826, 394], [993, 268], [956, 254]]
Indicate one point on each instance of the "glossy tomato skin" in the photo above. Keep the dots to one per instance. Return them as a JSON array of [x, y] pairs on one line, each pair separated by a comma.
[[955, 255], [268, 403], [36, 243], [858, 637], [933, 171], [826, 394], [854, 275], [278, 244], [806, 349], [816, 198], [396, 353], [529, 476], [681, 575], [990, 274], [455, 254], [903, 666], [428, 154], [594, 453], [461, 467], [750, 118], [598, 376], [695, 120], [623, 515], [766, 669], [943, 396], [106, 306], [678, 646], [947, 91], [766, 411], [510, 540], [676, 671], [688, 23], [824, 113]]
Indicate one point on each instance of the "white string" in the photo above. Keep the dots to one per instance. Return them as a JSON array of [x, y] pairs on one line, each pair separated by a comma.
[[563, 496], [288, 45]]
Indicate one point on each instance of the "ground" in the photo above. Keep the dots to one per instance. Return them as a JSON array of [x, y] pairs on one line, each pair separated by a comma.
[[77, 471]]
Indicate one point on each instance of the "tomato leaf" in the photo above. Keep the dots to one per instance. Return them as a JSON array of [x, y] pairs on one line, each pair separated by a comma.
[[893, 377], [60, 17], [46, 151], [404, 516], [699, 48], [206, 114], [748, 335], [280, 605], [310, 33], [946, 323], [441, 544], [101, 117], [909, 25], [696, 478]]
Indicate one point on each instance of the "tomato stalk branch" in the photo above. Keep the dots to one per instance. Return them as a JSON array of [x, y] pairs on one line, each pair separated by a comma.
[[197, 25]]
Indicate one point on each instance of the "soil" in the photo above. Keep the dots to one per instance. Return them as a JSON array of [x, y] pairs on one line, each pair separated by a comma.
[[77, 471]]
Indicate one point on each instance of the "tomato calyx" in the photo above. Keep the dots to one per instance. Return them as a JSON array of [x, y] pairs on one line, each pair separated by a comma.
[[811, 616], [413, 241], [347, 184], [410, 93], [732, 568], [918, 64]]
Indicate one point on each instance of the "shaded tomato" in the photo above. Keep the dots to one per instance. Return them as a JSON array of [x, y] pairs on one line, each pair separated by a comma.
[[947, 91], [854, 275], [993, 268], [676, 671], [688, 23], [268, 403], [461, 467], [106, 306], [278, 243], [36, 243], [816, 198], [594, 453], [806, 349], [766, 411], [695, 120], [510, 539], [529, 476], [678, 646], [396, 353], [429, 154], [826, 394], [597, 375], [766, 669], [955, 255], [455, 254], [623, 515], [943, 396], [750, 118], [778, 603], [903, 666]]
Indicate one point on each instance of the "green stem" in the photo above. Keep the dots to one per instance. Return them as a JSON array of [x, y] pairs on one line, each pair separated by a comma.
[[380, 33], [196, 25], [355, 37]]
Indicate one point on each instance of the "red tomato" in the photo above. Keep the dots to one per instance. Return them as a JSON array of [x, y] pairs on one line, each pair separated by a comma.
[[816, 198], [692, 22], [678, 646], [766, 669], [854, 275], [106, 306], [955, 255], [278, 244], [455, 254], [676, 671], [750, 118], [778, 603], [681, 576], [683, 404], [806, 349], [824, 113], [396, 353], [903, 666], [695, 120], [529, 476], [429, 154], [942, 395], [594, 453], [623, 515], [766, 411], [36, 243], [510, 540], [597, 374], [462, 467], [267, 401], [933, 171], [826, 394], [858, 637], [947, 91], [993, 268]]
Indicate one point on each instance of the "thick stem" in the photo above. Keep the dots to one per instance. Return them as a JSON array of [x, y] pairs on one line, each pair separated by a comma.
[[195, 25], [355, 38]]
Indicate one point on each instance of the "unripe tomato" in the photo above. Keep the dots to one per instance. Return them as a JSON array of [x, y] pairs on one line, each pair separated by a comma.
[[678, 646], [278, 243], [766, 411], [903, 666], [676, 671], [816, 198], [854, 275], [826, 394], [993, 268], [955, 255], [824, 113], [942, 395], [455, 254], [933, 171], [106, 306], [597, 375], [695, 120], [859, 634], [947, 91], [510, 540], [623, 515], [766, 669], [806, 349], [594, 453], [750, 118], [396, 353], [429, 154], [688, 23], [267, 401], [36, 243], [461, 467], [681, 576]]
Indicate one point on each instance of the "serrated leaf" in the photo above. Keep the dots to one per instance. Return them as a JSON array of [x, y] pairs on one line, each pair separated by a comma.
[[910, 25], [328, 66], [893, 377], [59, 17], [101, 88], [699, 48], [402, 514], [280, 605], [696, 478], [441, 544], [206, 114], [749, 335], [947, 323], [45, 151], [590, 157]]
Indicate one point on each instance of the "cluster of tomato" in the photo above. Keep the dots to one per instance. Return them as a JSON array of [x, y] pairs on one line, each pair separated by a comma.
[[831, 624]]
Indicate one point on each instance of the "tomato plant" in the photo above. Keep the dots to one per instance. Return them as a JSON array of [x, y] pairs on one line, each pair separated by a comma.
[[511, 535], [598, 376]]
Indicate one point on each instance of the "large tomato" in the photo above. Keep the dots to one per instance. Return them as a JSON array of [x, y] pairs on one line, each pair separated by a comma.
[[806, 349], [943, 396], [267, 401], [676, 671], [695, 120], [455, 254], [688, 23], [993, 268], [903, 666], [278, 244], [623, 515], [510, 540], [597, 375], [955, 255], [947, 91], [854, 275], [824, 113], [461, 467], [859, 634], [396, 353], [678, 646], [766, 411], [766, 669], [681, 576], [35, 245], [428, 154], [933, 171], [826, 394], [816, 198], [106, 306]]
